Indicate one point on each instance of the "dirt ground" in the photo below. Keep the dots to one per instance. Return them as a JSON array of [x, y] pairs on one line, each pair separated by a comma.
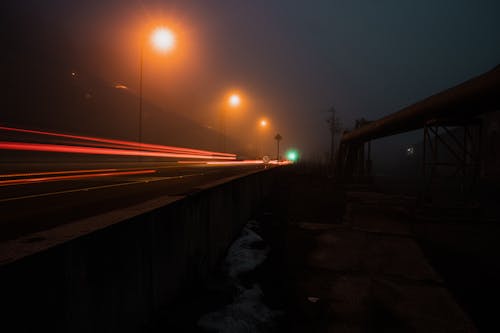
[[356, 259]]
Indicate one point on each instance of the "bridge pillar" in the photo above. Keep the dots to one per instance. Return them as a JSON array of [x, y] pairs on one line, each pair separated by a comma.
[[450, 161]]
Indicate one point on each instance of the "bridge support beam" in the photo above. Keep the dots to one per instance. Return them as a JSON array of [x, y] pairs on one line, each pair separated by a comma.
[[450, 161]]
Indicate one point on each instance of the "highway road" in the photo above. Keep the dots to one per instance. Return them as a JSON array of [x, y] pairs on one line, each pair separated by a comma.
[[50, 195]]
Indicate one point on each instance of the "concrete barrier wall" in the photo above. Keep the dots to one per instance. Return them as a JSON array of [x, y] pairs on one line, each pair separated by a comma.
[[120, 278]]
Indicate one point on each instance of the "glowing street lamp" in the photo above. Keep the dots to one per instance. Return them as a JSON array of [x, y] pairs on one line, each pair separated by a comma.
[[162, 40], [233, 101], [263, 123]]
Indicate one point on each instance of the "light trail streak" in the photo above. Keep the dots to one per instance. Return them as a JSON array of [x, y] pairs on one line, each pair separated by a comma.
[[280, 162], [121, 143], [72, 177], [10, 145], [48, 173], [256, 162]]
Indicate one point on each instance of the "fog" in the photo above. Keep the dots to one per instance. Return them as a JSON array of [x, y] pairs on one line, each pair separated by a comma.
[[290, 61]]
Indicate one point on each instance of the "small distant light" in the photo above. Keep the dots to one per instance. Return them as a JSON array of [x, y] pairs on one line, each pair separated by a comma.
[[410, 151], [263, 123], [120, 86], [74, 74]]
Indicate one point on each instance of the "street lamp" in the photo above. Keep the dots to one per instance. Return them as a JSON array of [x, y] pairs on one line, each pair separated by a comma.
[[263, 123], [233, 101], [162, 40]]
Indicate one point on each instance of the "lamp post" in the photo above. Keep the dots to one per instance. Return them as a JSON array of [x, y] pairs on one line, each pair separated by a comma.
[[263, 123], [233, 101], [141, 61], [162, 40]]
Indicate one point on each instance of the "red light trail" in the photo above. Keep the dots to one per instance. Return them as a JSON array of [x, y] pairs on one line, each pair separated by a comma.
[[286, 162], [10, 145], [124, 145], [48, 173], [235, 162]]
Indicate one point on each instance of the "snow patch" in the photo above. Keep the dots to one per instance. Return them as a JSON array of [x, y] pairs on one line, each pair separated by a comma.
[[246, 253], [247, 313]]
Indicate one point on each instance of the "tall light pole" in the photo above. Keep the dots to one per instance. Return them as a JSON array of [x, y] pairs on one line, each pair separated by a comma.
[[141, 61], [233, 101], [162, 40], [263, 125]]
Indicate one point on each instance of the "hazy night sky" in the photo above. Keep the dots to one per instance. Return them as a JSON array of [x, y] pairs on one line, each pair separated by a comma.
[[291, 59]]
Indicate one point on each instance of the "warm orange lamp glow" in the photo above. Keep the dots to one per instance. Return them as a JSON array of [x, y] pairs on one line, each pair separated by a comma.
[[263, 123], [234, 100], [163, 39]]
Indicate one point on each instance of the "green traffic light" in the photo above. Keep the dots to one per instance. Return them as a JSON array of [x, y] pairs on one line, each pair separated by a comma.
[[292, 155]]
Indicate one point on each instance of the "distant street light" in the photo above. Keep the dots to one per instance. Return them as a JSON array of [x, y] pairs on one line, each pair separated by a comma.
[[278, 138], [263, 125], [233, 101], [162, 40]]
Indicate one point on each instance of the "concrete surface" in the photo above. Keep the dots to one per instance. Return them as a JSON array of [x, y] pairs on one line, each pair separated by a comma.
[[358, 269], [118, 276]]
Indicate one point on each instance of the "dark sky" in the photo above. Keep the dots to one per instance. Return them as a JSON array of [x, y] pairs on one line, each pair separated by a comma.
[[291, 60]]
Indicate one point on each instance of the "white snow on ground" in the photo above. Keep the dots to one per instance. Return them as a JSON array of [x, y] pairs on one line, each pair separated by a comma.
[[243, 255], [247, 313]]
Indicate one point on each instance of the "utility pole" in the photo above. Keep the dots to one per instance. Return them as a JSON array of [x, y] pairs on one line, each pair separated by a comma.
[[223, 129], [141, 64], [278, 138], [334, 125]]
